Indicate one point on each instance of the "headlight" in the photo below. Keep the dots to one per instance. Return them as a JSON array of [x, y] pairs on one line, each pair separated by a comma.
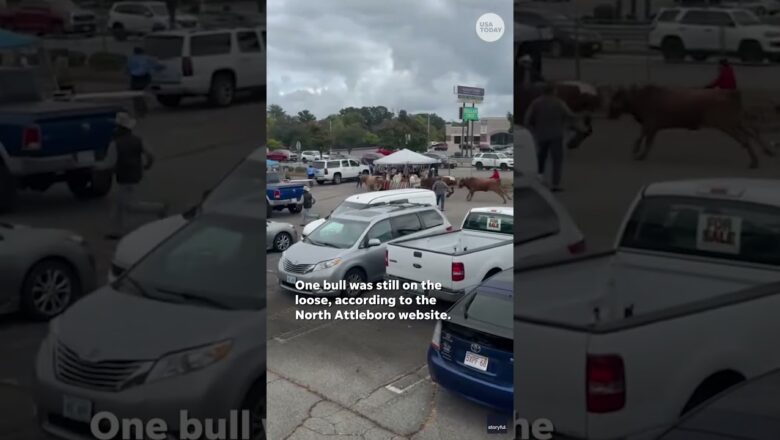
[[327, 264], [187, 361]]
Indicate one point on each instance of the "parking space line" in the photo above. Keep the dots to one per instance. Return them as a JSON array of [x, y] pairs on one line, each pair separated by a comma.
[[395, 390], [293, 334]]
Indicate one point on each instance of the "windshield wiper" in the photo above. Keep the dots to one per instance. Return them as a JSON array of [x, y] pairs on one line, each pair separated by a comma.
[[191, 297]]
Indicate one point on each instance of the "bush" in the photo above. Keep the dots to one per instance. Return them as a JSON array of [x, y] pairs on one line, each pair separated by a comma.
[[273, 144], [107, 61]]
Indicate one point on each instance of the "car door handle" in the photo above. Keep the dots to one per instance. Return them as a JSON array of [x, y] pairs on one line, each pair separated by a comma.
[[417, 266]]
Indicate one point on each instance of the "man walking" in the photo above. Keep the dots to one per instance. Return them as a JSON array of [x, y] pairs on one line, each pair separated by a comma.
[[139, 68], [440, 189], [308, 202], [549, 118], [130, 158]]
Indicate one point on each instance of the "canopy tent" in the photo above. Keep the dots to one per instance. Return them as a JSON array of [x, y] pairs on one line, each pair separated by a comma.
[[406, 157], [11, 40]]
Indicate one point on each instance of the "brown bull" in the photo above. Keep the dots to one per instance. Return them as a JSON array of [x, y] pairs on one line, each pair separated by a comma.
[[427, 183], [373, 183], [658, 108], [474, 184]]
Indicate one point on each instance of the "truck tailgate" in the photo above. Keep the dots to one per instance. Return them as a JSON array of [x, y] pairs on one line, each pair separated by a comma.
[[419, 265], [546, 351]]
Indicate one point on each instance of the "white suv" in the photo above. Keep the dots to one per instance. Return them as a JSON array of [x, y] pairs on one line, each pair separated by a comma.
[[311, 155], [336, 171], [214, 63], [141, 18], [701, 32], [492, 160]]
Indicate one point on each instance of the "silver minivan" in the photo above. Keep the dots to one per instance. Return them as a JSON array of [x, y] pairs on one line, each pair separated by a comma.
[[351, 246]]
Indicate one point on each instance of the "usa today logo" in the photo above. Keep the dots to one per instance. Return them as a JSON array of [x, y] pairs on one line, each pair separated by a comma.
[[490, 27]]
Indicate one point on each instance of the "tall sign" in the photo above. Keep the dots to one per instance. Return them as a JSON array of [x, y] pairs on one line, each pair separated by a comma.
[[467, 94]]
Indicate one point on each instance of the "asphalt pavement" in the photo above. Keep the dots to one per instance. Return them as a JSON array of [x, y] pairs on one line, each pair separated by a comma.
[[361, 379]]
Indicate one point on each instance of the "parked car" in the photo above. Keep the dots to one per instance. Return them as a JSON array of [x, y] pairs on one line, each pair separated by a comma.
[[282, 194], [472, 353], [282, 155], [243, 180], [702, 32], [184, 318], [440, 147], [312, 155], [43, 271], [351, 246], [442, 158], [215, 63], [373, 198], [492, 160], [747, 411], [142, 17], [369, 158], [626, 341], [279, 236], [336, 171], [568, 35], [385, 151], [51, 17], [43, 142], [459, 260]]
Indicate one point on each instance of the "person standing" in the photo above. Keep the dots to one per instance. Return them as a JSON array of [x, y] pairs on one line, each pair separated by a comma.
[[548, 118], [130, 158], [440, 189], [726, 79], [308, 202], [140, 68], [310, 172]]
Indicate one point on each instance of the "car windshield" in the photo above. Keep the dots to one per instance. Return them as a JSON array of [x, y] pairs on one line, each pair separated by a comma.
[[163, 47], [489, 222], [744, 18], [246, 178], [492, 306], [211, 262], [338, 233], [348, 206]]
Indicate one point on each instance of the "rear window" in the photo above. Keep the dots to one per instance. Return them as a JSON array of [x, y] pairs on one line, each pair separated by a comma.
[[668, 16], [334, 164], [489, 222], [318, 165], [248, 42], [492, 306], [727, 229], [536, 218], [163, 47], [406, 224], [205, 45], [431, 219]]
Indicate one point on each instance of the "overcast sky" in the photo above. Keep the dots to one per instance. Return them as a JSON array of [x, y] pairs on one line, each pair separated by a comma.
[[324, 55]]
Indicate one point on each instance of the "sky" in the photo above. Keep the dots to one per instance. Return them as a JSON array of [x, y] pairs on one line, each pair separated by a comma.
[[325, 55]]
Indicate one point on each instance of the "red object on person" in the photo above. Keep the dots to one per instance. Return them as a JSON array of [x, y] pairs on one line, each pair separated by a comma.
[[726, 79]]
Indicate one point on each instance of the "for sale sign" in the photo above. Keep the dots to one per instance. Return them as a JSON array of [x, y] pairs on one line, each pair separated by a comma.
[[719, 233]]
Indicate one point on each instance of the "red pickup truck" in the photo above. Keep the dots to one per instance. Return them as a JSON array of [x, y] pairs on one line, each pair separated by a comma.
[[48, 17]]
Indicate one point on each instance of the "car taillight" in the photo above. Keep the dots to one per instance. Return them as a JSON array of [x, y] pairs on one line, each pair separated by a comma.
[[458, 272], [277, 194], [31, 138], [577, 248], [606, 386], [436, 339], [186, 66], [387, 261]]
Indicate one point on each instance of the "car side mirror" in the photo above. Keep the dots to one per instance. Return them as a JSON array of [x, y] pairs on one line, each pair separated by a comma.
[[374, 242]]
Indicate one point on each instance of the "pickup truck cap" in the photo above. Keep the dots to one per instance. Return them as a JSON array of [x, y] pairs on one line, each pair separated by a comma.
[[495, 209], [370, 212], [763, 191]]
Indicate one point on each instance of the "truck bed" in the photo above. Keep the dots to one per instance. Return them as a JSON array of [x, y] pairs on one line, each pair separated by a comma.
[[456, 243]]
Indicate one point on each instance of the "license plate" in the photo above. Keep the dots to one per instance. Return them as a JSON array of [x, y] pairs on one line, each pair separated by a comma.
[[76, 408], [291, 279], [474, 360], [85, 157]]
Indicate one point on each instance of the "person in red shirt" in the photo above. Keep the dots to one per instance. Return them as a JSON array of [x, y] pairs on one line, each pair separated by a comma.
[[495, 175], [726, 79]]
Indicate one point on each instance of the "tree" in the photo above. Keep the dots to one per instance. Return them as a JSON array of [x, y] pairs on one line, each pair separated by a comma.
[[511, 120], [306, 116], [276, 112], [371, 139], [273, 144], [350, 136]]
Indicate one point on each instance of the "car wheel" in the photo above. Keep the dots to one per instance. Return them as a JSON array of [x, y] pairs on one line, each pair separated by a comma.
[[222, 90], [365, 173], [8, 189], [294, 209], [673, 49], [354, 276], [118, 31], [751, 52], [48, 289], [504, 167], [282, 241], [479, 165], [90, 184], [169, 100], [337, 179], [320, 182]]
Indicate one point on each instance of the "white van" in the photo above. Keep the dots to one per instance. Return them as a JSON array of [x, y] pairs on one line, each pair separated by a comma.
[[363, 200]]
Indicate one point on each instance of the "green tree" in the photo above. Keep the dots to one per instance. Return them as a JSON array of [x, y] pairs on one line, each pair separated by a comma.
[[371, 139], [306, 116], [274, 144]]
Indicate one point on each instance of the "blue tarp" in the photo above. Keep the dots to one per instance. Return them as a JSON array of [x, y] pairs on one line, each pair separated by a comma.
[[11, 40], [271, 163]]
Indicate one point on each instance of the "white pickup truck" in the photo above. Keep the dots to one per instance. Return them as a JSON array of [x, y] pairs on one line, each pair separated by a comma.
[[619, 345], [459, 260]]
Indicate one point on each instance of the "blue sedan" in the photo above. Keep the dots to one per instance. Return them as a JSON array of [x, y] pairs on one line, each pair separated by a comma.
[[472, 353]]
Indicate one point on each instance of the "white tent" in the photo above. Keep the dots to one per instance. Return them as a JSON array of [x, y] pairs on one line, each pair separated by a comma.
[[406, 157]]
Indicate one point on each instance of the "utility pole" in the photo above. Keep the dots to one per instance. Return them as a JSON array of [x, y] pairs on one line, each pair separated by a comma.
[[462, 129], [428, 135]]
